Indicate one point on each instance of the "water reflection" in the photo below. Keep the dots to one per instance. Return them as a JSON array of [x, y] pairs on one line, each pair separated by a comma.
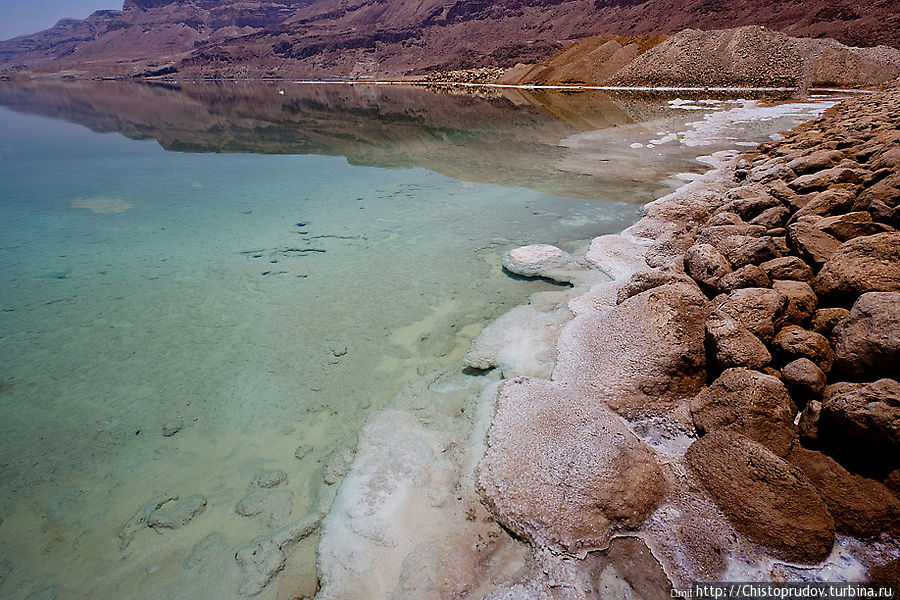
[[510, 137]]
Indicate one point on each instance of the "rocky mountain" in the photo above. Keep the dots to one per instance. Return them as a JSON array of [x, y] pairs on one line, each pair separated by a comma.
[[371, 38]]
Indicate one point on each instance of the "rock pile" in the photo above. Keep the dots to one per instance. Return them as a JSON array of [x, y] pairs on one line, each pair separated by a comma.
[[742, 387]]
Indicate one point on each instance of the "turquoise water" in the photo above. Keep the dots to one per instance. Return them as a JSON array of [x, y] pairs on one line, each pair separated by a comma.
[[258, 303]]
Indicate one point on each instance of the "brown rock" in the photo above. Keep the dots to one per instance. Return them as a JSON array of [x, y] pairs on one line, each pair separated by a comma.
[[643, 355], [764, 497], [755, 251], [808, 428], [787, 267], [563, 471], [828, 178], [761, 310], [887, 573], [748, 208], [748, 402], [801, 300], [864, 264], [892, 482], [770, 171], [726, 237], [810, 242], [825, 319], [867, 342], [850, 225], [706, 265], [746, 276], [794, 342], [803, 378], [881, 199], [649, 279], [770, 218], [859, 506], [863, 418], [815, 161], [732, 345], [629, 560], [829, 202]]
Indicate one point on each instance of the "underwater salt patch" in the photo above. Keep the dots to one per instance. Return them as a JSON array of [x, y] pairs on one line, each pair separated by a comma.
[[103, 206]]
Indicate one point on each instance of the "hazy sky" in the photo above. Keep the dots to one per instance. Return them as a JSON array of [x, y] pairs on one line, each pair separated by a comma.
[[27, 16]]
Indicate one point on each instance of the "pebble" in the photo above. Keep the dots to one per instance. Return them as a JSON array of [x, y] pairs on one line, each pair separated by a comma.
[[172, 427]]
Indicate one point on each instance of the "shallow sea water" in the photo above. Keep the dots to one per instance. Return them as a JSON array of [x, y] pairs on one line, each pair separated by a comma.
[[260, 271]]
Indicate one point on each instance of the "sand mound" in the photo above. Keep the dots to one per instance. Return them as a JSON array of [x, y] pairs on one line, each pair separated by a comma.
[[756, 56], [751, 56]]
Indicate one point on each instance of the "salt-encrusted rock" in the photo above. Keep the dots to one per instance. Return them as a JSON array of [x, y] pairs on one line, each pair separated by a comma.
[[724, 218], [827, 178], [271, 506], [641, 356], [755, 251], [824, 319], [764, 497], [732, 345], [746, 276], [763, 311], [810, 242], [863, 264], [176, 513], [803, 378], [263, 558], [520, 342], [794, 342], [860, 506], [829, 202], [706, 265], [564, 471], [787, 267], [808, 427], [542, 260], [337, 464], [850, 225], [815, 161], [802, 300], [867, 342], [627, 567], [748, 402], [270, 478], [616, 256], [649, 279], [771, 218]]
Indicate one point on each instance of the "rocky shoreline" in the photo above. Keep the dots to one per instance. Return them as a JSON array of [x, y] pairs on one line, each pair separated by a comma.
[[722, 409]]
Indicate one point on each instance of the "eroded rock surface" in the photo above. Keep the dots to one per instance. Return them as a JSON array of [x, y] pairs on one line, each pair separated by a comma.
[[563, 470]]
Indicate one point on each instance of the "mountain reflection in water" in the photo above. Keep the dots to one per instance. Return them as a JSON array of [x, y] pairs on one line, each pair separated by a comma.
[[511, 138]]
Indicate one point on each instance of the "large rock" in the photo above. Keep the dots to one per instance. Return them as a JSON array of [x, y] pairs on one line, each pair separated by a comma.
[[706, 265], [616, 256], [802, 301], [748, 402], [825, 319], [641, 356], [860, 506], [851, 225], [747, 276], [867, 343], [827, 178], [761, 310], [564, 471], [827, 203], [810, 242], [541, 260], [863, 419], [864, 264], [764, 497], [794, 342], [788, 268], [730, 344], [803, 378], [755, 251], [815, 161]]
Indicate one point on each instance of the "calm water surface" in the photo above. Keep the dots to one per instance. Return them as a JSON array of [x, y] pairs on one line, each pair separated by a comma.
[[202, 283]]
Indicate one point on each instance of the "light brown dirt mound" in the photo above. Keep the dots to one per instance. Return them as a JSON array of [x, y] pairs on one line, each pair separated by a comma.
[[756, 56], [587, 61]]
